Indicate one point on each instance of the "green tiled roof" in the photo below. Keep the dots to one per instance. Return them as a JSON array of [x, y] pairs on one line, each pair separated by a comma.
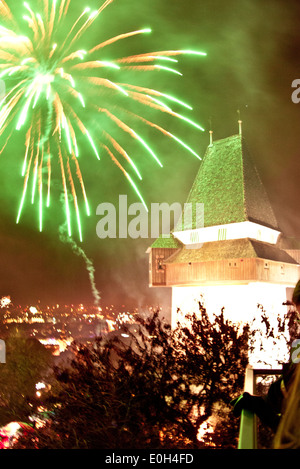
[[169, 242], [229, 186], [230, 249]]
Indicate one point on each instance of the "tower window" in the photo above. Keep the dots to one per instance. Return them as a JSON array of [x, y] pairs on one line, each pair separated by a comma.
[[222, 234], [159, 263], [194, 237]]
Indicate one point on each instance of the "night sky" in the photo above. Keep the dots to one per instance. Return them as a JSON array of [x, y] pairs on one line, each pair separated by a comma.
[[253, 55]]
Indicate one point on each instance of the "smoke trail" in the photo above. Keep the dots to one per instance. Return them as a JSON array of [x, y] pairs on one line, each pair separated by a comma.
[[65, 238]]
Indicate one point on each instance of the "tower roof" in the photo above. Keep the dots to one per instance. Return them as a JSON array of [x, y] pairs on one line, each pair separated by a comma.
[[230, 187], [230, 249]]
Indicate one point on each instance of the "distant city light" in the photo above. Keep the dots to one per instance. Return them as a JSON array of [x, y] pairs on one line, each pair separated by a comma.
[[5, 301], [40, 385], [58, 326]]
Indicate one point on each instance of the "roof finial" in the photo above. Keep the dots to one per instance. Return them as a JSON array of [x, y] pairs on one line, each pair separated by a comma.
[[210, 132], [240, 122]]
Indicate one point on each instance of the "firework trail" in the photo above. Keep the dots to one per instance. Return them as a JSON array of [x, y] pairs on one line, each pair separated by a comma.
[[59, 95], [65, 238]]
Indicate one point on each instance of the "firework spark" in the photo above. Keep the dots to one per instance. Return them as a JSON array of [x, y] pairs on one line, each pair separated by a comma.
[[54, 86]]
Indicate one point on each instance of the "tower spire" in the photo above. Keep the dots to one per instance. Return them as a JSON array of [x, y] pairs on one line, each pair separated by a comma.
[[240, 122], [210, 133]]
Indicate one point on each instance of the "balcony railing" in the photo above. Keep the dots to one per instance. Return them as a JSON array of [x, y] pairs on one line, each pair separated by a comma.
[[248, 423]]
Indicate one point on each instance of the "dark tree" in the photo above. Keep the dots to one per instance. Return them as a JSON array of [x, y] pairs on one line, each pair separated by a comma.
[[153, 389], [27, 361]]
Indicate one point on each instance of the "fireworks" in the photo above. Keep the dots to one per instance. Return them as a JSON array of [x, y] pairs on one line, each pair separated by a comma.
[[61, 96]]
